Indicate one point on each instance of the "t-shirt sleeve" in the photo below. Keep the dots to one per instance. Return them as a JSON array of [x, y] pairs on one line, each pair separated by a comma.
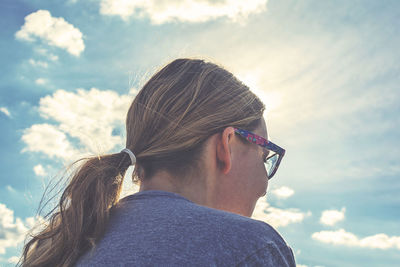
[[270, 255]]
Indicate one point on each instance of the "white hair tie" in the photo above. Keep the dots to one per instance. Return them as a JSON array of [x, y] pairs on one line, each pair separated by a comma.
[[131, 155]]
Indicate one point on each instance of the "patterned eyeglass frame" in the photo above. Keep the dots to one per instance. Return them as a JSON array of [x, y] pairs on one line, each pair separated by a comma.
[[258, 140]]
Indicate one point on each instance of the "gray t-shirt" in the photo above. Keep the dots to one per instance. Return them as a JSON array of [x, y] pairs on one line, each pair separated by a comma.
[[158, 228]]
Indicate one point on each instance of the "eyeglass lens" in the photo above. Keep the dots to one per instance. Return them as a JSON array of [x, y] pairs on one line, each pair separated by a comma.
[[270, 164]]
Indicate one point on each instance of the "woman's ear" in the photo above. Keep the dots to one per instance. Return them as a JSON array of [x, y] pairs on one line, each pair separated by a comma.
[[224, 143]]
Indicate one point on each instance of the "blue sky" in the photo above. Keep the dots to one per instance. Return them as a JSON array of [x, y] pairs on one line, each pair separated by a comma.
[[328, 72]]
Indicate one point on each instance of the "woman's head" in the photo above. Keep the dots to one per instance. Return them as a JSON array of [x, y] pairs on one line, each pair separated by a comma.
[[182, 105]]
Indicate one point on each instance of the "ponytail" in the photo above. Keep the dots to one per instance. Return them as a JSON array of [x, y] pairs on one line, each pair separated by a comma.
[[82, 214]]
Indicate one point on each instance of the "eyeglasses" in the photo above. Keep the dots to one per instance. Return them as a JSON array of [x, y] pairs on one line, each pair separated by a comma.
[[271, 161]]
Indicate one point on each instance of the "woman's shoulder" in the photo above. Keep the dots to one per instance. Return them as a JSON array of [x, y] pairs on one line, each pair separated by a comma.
[[240, 225], [248, 240]]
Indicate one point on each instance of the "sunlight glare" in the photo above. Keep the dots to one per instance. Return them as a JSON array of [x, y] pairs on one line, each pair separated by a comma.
[[271, 99]]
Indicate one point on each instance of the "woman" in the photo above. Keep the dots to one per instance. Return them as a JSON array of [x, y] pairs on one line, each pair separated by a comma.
[[195, 136]]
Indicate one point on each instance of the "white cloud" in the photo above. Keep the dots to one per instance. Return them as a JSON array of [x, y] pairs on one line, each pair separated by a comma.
[[41, 50], [48, 139], [44, 52], [5, 111], [341, 237], [280, 217], [10, 189], [52, 57], [13, 260], [38, 63], [283, 192], [88, 116], [12, 230], [161, 11], [331, 217], [53, 31], [381, 241], [41, 81], [275, 216], [39, 170]]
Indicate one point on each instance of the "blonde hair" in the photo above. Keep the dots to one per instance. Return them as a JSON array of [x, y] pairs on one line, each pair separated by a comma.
[[174, 113]]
